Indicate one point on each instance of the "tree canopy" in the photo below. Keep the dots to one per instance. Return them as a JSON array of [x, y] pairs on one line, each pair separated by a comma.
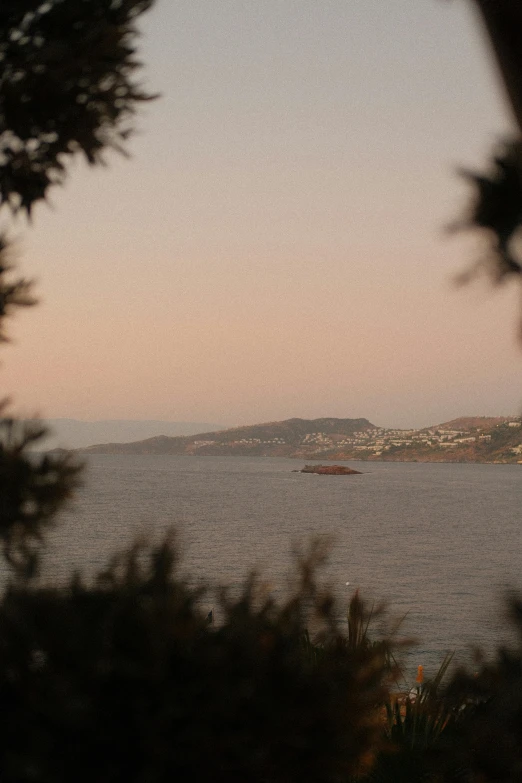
[[67, 86], [496, 209]]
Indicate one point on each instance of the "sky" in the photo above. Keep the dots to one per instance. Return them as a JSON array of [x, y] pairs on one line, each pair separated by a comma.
[[275, 246]]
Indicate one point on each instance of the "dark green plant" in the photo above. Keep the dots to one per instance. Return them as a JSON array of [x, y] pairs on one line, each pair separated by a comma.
[[420, 730], [490, 735], [503, 22], [67, 87], [358, 636], [14, 292], [496, 209], [32, 489], [125, 680]]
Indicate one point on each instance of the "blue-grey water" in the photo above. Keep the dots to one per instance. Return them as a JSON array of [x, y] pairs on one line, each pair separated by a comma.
[[439, 542]]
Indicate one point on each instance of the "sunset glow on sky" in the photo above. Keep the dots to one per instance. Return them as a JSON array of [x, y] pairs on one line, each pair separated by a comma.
[[275, 245]]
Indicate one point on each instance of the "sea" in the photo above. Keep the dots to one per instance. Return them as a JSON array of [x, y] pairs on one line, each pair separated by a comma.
[[439, 544]]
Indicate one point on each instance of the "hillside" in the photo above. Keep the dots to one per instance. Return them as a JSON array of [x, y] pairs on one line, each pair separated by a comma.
[[77, 434], [467, 439], [278, 438], [469, 423]]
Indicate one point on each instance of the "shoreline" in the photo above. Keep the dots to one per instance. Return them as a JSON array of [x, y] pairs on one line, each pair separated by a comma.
[[297, 457]]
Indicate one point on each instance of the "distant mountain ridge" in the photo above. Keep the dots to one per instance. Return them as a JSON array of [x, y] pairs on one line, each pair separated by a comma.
[[467, 439], [278, 437], [76, 433]]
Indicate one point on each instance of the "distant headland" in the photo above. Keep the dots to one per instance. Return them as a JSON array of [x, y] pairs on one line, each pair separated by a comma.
[[468, 439]]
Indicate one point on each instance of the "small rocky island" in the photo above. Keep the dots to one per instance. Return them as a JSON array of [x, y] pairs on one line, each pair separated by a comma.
[[330, 470]]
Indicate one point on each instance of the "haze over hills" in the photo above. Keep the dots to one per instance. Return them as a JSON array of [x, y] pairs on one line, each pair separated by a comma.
[[278, 437], [76, 434], [467, 439], [468, 423]]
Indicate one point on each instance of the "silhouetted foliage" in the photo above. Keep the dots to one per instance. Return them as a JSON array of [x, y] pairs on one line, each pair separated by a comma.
[[66, 86], [503, 23], [127, 681], [14, 293], [420, 729], [497, 204], [489, 743], [497, 209], [32, 489]]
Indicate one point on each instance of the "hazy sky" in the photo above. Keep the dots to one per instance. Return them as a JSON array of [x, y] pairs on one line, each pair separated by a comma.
[[275, 245]]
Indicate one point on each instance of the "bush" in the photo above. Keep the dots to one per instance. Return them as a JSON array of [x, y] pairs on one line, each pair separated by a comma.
[[126, 680]]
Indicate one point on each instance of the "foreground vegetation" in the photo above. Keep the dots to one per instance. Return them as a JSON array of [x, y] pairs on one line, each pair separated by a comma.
[[126, 679]]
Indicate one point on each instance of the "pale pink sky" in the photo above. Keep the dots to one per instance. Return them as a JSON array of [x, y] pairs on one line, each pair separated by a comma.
[[275, 245]]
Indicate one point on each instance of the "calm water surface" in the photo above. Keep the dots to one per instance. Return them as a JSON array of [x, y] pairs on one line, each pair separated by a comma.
[[440, 542]]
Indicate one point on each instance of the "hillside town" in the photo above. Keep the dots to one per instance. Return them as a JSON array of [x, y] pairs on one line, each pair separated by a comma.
[[468, 439], [379, 442]]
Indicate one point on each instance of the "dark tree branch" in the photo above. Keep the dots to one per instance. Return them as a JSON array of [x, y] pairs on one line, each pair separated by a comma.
[[67, 86], [503, 21]]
